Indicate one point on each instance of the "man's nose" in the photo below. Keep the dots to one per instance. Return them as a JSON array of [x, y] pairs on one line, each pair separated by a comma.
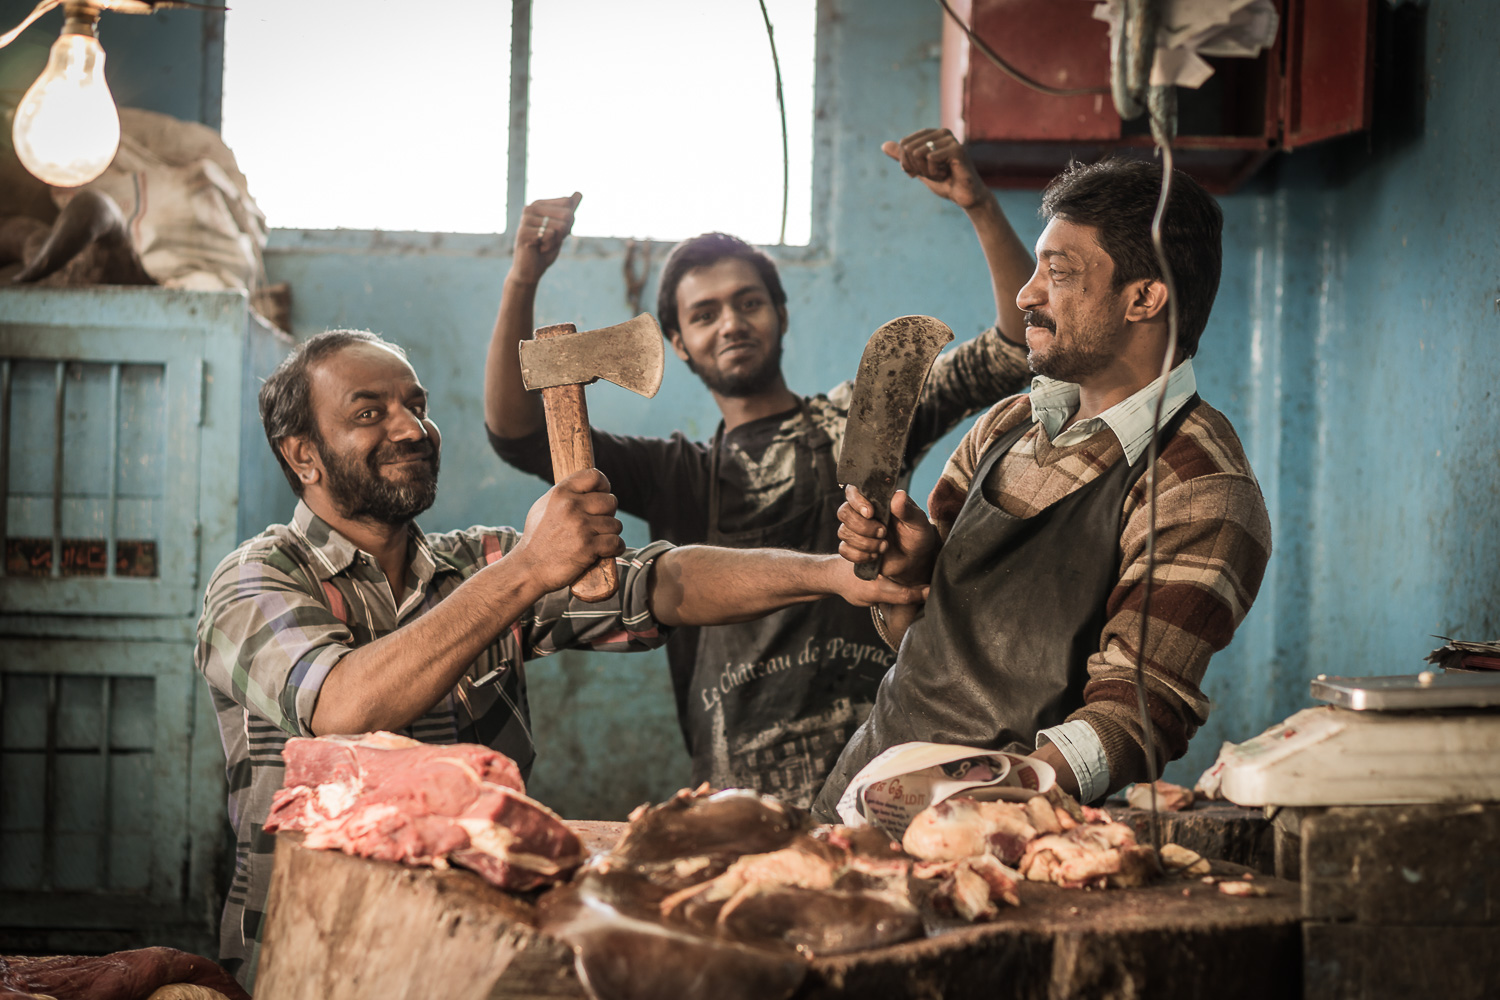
[[732, 320], [1031, 294], [406, 425]]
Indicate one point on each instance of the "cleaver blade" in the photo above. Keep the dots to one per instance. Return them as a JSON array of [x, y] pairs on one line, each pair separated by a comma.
[[892, 371]]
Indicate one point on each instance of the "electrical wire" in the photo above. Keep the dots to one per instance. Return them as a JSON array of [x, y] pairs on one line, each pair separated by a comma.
[[1161, 132], [1011, 71], [36, 12], [786, 160]]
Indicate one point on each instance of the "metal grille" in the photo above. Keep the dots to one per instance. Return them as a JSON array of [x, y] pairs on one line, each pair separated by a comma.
[[82, 457], [76, 788]]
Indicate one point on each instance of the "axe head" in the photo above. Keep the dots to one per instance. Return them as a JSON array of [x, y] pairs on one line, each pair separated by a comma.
[[628, 354]]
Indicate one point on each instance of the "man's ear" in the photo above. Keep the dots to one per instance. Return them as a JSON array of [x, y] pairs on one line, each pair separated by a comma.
[[302, 456], [1147, 300], [675, 337], [781, 314]]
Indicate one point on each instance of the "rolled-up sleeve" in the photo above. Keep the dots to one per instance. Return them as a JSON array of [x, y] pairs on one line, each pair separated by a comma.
[[623, 623], [267, 642]]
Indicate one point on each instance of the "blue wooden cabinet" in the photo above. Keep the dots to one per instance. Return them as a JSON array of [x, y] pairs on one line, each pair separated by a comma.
[[131, 461]]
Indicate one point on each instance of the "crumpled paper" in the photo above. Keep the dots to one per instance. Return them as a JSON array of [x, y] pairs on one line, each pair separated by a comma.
[[1192, 29]]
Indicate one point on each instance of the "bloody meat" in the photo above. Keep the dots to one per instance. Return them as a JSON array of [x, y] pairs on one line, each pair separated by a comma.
[[386, 797]]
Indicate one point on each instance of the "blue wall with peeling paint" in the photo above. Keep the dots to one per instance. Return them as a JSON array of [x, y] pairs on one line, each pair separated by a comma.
[[1355, 345]]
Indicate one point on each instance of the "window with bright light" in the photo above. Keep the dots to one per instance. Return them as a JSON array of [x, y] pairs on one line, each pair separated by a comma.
[[370, 115], [663, 113], [395, 116]]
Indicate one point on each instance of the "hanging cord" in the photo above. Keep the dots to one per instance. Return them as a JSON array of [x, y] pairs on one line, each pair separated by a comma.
[[1162, 103], [1011, 71], [1130, 85], [123, 6], [786, 169], [36, 12]]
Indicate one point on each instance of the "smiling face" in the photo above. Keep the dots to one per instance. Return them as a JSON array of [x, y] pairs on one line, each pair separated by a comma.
[[1075, 318], [374, 452], [730, 333]]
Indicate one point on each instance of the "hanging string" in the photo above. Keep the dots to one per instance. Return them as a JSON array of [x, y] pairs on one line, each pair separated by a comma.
[[786, 169]]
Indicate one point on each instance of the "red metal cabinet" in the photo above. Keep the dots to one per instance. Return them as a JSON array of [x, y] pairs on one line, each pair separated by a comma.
[[1313, 83]]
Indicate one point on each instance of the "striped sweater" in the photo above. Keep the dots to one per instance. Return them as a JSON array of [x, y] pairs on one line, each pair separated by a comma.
[[1213, 539]]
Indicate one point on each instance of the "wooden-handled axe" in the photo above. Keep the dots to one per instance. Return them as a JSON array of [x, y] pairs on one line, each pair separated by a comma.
[[560, 361], [891, 373]]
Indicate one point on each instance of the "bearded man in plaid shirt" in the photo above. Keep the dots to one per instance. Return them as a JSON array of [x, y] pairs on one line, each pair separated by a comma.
[[350, 619]]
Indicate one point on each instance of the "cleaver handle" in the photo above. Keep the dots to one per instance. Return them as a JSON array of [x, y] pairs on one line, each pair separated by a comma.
[[573, 451], [882, 508]]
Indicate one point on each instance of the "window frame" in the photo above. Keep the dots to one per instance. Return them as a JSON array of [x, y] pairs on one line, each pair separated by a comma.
[[380, 242]]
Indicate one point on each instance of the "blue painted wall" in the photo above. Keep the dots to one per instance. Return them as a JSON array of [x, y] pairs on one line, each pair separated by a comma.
[[1355, 344]]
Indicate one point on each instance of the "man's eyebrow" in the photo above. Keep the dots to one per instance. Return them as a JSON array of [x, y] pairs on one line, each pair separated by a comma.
[[712, 299], [359, 395], [1065, 255]]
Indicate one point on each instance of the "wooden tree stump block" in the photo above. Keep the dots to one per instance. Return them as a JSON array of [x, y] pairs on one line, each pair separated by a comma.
[[1219, 830], [340, 928]]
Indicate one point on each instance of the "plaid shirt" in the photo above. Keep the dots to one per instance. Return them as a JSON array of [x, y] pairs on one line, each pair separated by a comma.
[[285, 606], [1213, 540]]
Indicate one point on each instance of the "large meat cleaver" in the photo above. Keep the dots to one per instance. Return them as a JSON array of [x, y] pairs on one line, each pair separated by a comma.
[[891, 374], [560, 361]]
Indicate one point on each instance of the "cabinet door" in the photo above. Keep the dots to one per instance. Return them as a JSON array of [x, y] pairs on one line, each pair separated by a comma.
[[102, 824], [99, 458]]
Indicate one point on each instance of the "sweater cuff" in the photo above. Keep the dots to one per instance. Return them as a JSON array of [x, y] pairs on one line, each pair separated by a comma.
[[1084, 752]]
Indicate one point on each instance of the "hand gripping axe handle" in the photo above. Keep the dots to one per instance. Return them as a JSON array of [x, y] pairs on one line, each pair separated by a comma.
[[560, 361]]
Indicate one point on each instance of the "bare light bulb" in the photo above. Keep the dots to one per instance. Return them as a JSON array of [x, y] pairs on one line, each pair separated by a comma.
[[67, 128]]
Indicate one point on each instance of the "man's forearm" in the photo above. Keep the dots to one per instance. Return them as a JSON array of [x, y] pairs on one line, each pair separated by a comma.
[[393, 681], [1010, 265], [707, 585], [511, 411]]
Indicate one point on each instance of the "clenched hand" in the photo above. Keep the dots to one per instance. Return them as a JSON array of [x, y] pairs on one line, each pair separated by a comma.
[[543, 226], [570, 528], [937, 158], [909, 544]]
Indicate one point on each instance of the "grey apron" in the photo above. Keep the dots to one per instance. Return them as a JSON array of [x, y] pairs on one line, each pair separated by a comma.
[[1017, 607], [773, 701]]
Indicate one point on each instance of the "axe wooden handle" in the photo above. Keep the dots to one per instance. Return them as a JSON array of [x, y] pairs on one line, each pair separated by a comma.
[[573, 451]]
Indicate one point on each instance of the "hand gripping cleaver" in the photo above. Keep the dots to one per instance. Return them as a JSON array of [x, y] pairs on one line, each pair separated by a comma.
[[891, 374]]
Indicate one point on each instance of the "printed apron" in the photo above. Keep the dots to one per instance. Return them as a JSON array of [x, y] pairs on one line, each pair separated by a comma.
[[773, 701]]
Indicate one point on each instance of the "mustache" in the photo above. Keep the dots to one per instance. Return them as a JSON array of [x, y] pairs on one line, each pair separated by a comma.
[[401, 452], [1045, 322]]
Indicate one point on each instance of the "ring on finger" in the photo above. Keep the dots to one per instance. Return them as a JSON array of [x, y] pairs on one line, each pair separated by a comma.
[[931, 146], [542, 229]]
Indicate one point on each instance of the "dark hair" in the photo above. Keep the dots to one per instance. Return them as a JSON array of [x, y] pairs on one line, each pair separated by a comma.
[[285, 398], [702, 251], [1118, 198]]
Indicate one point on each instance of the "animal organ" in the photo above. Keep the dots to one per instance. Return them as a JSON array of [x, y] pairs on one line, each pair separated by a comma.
[[1048, 839], [727, 895]]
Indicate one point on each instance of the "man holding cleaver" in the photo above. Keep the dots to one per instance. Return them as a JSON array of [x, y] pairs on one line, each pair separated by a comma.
[[769, 704], [1037, 552]]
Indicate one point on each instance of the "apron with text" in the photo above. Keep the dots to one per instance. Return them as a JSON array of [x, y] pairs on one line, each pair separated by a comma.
[[773, 701]]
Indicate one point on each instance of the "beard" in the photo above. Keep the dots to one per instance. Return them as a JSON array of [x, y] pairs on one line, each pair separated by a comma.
[[739, 386], [359, 490], [1088, 352]]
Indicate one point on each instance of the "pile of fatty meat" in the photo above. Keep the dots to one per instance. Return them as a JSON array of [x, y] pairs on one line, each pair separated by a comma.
[[391, 798]]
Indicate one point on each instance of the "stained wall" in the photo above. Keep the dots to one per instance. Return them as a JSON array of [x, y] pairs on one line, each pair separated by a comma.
[[1355, 344]]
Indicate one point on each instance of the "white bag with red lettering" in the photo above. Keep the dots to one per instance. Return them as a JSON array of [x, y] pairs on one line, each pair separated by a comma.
[[909, 777]]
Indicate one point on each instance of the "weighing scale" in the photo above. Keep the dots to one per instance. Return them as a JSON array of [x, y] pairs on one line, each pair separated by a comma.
[[1399, 740]]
